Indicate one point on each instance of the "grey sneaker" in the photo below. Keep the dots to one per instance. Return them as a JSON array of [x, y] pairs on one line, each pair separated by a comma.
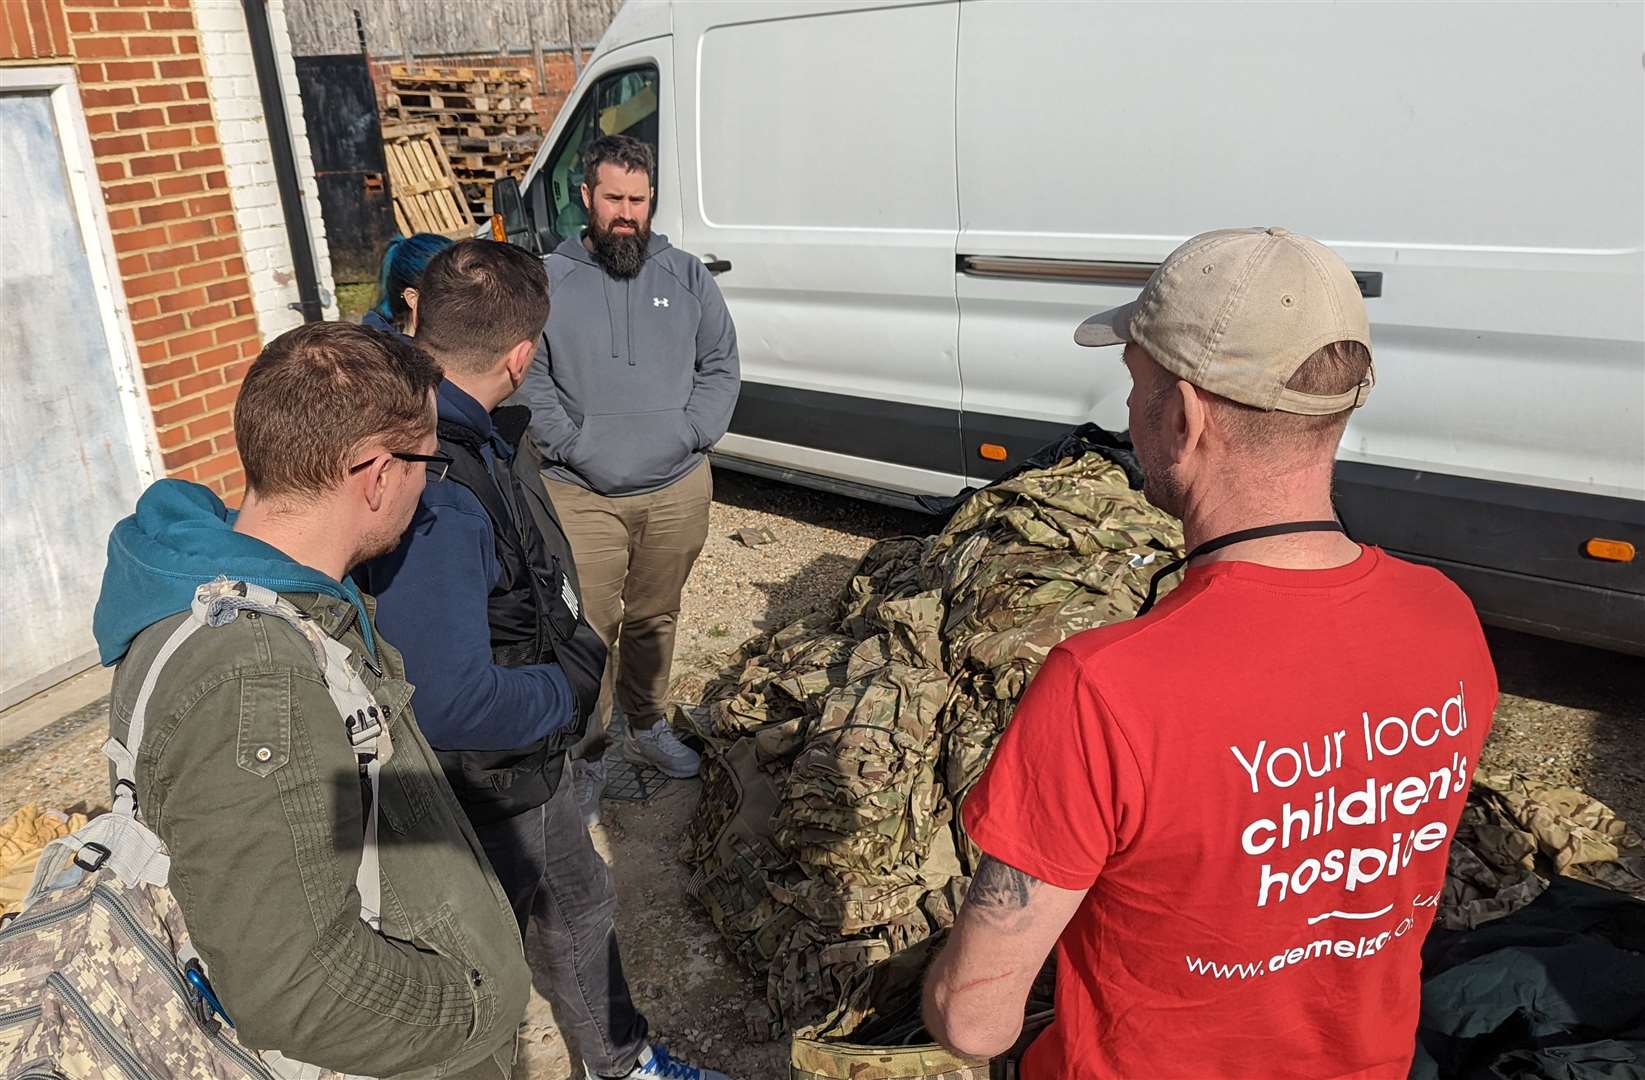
[[655, 1064], [659, 748], [588, 778]]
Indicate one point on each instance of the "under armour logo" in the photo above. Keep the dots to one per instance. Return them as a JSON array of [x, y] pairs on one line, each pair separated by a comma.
[[659, 301]]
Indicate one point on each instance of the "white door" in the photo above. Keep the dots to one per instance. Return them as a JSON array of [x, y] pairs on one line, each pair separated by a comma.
[[817, 152], [74, 443]]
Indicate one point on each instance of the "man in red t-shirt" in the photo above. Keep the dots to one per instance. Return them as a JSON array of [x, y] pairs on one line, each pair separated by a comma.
[[1231, 814]]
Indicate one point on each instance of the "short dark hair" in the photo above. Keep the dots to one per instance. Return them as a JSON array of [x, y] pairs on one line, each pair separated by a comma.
[[478, 299], [1332, 369], [316, 394], [625, 151]]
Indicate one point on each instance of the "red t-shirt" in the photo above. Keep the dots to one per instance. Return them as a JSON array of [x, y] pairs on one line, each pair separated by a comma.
[[1258, 784]]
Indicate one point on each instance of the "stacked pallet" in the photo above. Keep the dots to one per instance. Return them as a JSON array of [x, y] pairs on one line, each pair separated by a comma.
[[427, 196], [485, 118]]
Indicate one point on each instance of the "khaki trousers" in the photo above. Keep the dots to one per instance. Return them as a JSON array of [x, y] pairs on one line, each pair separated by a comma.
[[633, 555]]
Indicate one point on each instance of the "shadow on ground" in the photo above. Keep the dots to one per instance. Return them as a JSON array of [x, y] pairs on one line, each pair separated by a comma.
[[1571, 715], [1609, 684], [811, 507], [821, 583]]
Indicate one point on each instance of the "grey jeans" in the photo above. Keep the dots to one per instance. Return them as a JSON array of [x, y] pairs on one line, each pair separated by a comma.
[[558, 883]]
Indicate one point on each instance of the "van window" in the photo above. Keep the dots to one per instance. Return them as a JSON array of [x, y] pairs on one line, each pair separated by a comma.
[[621, 103]]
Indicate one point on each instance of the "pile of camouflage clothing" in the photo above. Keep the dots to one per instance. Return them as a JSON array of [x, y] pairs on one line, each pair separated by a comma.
[[1536, 963], [1517, 834], [840, 747]]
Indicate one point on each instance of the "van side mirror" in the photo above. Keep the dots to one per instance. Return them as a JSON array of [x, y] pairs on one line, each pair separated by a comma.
[[509, 219]]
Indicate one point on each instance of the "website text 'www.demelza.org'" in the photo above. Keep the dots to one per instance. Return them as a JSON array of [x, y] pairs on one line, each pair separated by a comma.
[[1357, 948]]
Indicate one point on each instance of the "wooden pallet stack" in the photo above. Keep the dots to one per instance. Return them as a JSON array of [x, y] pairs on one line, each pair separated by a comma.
[[427, 196], [485, 118]]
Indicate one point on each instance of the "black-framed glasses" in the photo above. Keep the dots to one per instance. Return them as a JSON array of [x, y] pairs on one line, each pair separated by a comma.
[[439, 464]]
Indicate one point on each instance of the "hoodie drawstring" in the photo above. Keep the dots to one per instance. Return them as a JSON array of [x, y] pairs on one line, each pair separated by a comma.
[[610, 315], [627, 324]]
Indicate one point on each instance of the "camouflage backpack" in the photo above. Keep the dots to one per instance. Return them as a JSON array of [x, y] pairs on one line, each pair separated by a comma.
[[97, 977], [875, 1032]]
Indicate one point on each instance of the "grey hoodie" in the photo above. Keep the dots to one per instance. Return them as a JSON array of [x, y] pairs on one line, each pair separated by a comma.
[[638, 378]]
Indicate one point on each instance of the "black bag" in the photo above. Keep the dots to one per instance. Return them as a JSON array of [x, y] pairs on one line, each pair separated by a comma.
[[577, 647]]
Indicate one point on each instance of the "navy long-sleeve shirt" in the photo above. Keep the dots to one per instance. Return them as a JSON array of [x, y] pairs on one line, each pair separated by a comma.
[[431, 605]]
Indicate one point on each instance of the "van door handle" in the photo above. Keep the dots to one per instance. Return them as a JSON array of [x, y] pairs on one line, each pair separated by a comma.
[[1096, 271], [716, 266]]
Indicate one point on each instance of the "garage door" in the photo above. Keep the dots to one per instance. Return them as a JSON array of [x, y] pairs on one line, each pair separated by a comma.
[[74, 448]]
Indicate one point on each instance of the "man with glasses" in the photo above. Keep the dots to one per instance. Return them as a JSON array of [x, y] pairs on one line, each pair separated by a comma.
[[244, 766], [438, 464], [482, 596]]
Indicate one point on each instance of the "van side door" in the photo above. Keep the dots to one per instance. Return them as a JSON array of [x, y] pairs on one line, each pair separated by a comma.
[[1035, 253]]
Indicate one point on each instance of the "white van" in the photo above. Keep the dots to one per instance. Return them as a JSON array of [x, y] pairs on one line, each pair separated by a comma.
[[910, 206]]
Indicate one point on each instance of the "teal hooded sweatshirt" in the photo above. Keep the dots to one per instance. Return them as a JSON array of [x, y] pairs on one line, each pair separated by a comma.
[[181, 537]]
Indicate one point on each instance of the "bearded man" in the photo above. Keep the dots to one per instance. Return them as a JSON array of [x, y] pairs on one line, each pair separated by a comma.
[[634, 378]]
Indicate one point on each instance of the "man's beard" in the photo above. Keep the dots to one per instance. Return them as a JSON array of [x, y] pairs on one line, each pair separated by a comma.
[[620, 255]]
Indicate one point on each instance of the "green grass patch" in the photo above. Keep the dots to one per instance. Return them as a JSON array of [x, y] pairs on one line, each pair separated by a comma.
[[354, 301]]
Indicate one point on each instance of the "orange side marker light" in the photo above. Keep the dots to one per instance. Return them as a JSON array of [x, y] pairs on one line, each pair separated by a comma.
[[499, 231], [992, 451], [1609, 550]]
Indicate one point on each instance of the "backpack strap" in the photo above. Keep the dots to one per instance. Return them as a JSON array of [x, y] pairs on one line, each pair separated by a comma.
[[215, 604], [469, 469]]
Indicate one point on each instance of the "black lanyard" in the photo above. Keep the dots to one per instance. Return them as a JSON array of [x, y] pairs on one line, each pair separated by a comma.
[[1217, 543]]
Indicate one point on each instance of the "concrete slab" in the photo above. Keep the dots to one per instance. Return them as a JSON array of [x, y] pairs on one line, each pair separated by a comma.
[[48, 706]]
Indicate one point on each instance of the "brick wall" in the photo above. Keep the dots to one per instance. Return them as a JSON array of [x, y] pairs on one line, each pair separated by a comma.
[[160, 161], [560, 76], [142, 81], [31, 31], [249, 156]]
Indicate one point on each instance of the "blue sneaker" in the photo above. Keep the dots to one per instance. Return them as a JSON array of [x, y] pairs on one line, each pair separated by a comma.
[[655, 1064]]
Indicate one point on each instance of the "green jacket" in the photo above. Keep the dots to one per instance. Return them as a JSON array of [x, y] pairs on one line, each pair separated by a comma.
[[246, 774]]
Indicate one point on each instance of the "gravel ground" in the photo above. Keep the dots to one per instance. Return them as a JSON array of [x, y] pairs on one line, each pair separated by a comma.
[[1568, 715], [1571, 716]]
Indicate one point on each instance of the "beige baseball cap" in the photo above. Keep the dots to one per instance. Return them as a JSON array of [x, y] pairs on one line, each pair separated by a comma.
[[1237, 311]]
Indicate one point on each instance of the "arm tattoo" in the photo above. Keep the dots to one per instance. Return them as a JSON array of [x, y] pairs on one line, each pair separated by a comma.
[[999, 893]]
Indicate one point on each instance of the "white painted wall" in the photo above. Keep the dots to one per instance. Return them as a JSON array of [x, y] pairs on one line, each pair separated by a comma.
[[232, 80]]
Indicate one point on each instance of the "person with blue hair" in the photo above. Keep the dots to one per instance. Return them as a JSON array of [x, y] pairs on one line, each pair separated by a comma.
[[403, 263]]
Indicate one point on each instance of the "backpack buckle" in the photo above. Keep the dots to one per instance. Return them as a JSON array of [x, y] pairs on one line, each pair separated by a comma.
[[101, 855], [364, 725]]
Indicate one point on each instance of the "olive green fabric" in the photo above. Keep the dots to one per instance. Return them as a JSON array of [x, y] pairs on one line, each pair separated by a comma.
[[839, 748], [1516, 833], [875, 1032], [246, 773]]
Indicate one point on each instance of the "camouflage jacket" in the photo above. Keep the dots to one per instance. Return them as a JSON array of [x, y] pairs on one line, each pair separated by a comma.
[[246, 773]]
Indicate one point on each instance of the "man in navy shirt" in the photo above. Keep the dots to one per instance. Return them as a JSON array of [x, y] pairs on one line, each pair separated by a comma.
[[481, 598]]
